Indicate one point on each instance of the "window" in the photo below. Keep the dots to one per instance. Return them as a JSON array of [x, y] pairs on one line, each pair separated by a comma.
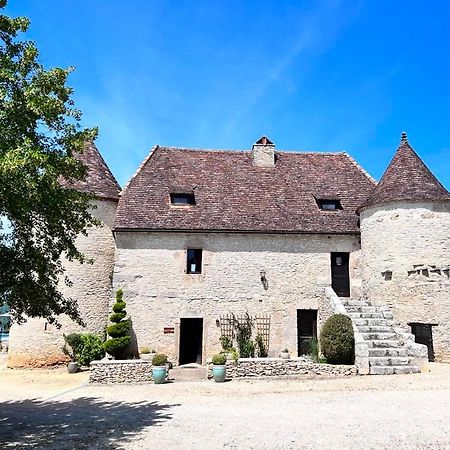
[[194, 260], [182, 199], [328, 205]]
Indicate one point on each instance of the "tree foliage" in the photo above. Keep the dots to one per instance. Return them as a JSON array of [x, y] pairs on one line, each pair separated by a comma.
[[40, 134]]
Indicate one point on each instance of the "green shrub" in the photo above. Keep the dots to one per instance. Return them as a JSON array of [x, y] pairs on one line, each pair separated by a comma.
[[159, 359], [337, 341], [225, 342], [116, 346], [117, 317], [73, 345], [219, 360], [92, 349], [314, 349], [118, 331], [145, 350], [85, 347], [261, 348]]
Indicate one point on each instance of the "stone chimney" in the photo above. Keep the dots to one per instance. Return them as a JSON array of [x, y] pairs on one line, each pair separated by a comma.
[[263, 152]]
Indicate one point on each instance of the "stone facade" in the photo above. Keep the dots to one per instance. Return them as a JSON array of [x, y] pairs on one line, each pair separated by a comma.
[[133, 371], [37, 343], [151, 270], [277, 367], [406, 264]]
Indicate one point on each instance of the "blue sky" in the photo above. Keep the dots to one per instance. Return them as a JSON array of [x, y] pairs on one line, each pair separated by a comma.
[[324, 75]]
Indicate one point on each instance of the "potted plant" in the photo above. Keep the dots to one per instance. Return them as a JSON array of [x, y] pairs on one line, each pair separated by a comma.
[[285, 354], [72, 348], [219, 367], [146, 354], [159, 369]]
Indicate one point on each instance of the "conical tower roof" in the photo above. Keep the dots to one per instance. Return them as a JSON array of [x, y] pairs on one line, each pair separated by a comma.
[[99, 180], [407, 179]]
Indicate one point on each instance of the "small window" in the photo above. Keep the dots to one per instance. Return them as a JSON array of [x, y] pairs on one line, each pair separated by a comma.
[[182, 199], [194, 260], [329, 205]]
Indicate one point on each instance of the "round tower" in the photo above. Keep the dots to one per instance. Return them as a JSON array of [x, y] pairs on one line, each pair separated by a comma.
[[37, 343], [405, 242]]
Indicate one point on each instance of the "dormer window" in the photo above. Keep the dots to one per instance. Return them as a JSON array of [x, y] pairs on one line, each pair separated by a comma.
[[182, 199], [329, 204]]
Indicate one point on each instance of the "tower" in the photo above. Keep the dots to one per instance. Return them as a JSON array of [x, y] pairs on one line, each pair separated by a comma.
[[37, 343], [405, 242]]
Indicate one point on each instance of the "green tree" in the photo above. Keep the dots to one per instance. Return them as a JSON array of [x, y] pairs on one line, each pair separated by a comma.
[[40, 134]]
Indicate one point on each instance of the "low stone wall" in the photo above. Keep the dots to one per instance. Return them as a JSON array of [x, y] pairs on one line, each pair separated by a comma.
[[121, 371], [278, 367]]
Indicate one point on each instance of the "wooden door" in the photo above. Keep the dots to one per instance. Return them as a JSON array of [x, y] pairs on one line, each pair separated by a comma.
[[340, 277]]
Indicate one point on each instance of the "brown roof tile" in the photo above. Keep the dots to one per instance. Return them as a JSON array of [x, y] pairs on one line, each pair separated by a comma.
[[99, 179], [232, 194], [407, 179]]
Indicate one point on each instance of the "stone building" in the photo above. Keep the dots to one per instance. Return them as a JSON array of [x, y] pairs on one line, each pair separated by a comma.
[[206, 237]]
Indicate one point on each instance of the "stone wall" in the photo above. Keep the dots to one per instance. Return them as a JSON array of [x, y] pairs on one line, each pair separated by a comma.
[[406, 265], [277, 367], [37, 343], [119, 372], [151, 269]]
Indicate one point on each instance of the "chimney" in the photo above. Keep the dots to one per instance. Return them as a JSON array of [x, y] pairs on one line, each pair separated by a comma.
[[263, 152]]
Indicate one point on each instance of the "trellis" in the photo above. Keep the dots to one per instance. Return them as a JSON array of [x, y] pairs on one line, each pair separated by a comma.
[[261, 324]]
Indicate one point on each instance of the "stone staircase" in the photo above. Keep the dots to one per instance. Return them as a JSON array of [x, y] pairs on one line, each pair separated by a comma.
[[388, 353]]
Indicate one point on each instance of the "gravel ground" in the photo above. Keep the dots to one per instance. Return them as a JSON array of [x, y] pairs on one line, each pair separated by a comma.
[[45, 409]]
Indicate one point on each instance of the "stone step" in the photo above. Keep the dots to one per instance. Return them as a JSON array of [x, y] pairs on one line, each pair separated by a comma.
[[389, 361], [362, 309], [356, 303], [380, 352], [379, 336], [384, 344], [359, 315], [372, 322], [390, 370], [374, 329]]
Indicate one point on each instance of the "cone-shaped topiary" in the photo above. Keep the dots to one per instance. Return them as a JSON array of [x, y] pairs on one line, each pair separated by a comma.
[[119, 329], [337, 341]]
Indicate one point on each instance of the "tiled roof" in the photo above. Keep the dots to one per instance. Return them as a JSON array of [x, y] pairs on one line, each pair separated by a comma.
[[99, 179], [232, 194], [407, 179]]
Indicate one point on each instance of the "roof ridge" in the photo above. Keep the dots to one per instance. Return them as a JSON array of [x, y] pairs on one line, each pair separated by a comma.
[[359, 167], [141, 166]]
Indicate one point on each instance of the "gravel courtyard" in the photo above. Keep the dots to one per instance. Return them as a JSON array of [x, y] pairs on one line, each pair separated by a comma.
[[52, 410]]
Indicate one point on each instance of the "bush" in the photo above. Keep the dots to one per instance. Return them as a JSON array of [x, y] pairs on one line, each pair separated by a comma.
[[116, 346], [337, 341], [261, 348], [85, 347], [219, 360], [145, 350], [225, 342], [92, 349], [314, 349], [118, 331], [159, 360]]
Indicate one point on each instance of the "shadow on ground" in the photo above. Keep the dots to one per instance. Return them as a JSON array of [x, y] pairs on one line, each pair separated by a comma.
[[82, 423]]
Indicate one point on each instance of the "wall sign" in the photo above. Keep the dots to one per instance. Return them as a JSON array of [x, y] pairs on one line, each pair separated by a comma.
[[169, 330]]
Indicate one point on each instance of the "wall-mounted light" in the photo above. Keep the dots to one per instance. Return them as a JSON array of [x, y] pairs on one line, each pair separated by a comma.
[[264, 281], [217, 323]]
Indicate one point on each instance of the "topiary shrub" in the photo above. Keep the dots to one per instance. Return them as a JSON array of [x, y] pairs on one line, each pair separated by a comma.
[[337, 341], [219, 360], [119, 329], [159, 359]]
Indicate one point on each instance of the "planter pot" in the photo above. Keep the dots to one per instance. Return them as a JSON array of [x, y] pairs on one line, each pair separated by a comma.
[[72, 367], [285, 355], [147, 356], [219, 373], [159, 374]]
